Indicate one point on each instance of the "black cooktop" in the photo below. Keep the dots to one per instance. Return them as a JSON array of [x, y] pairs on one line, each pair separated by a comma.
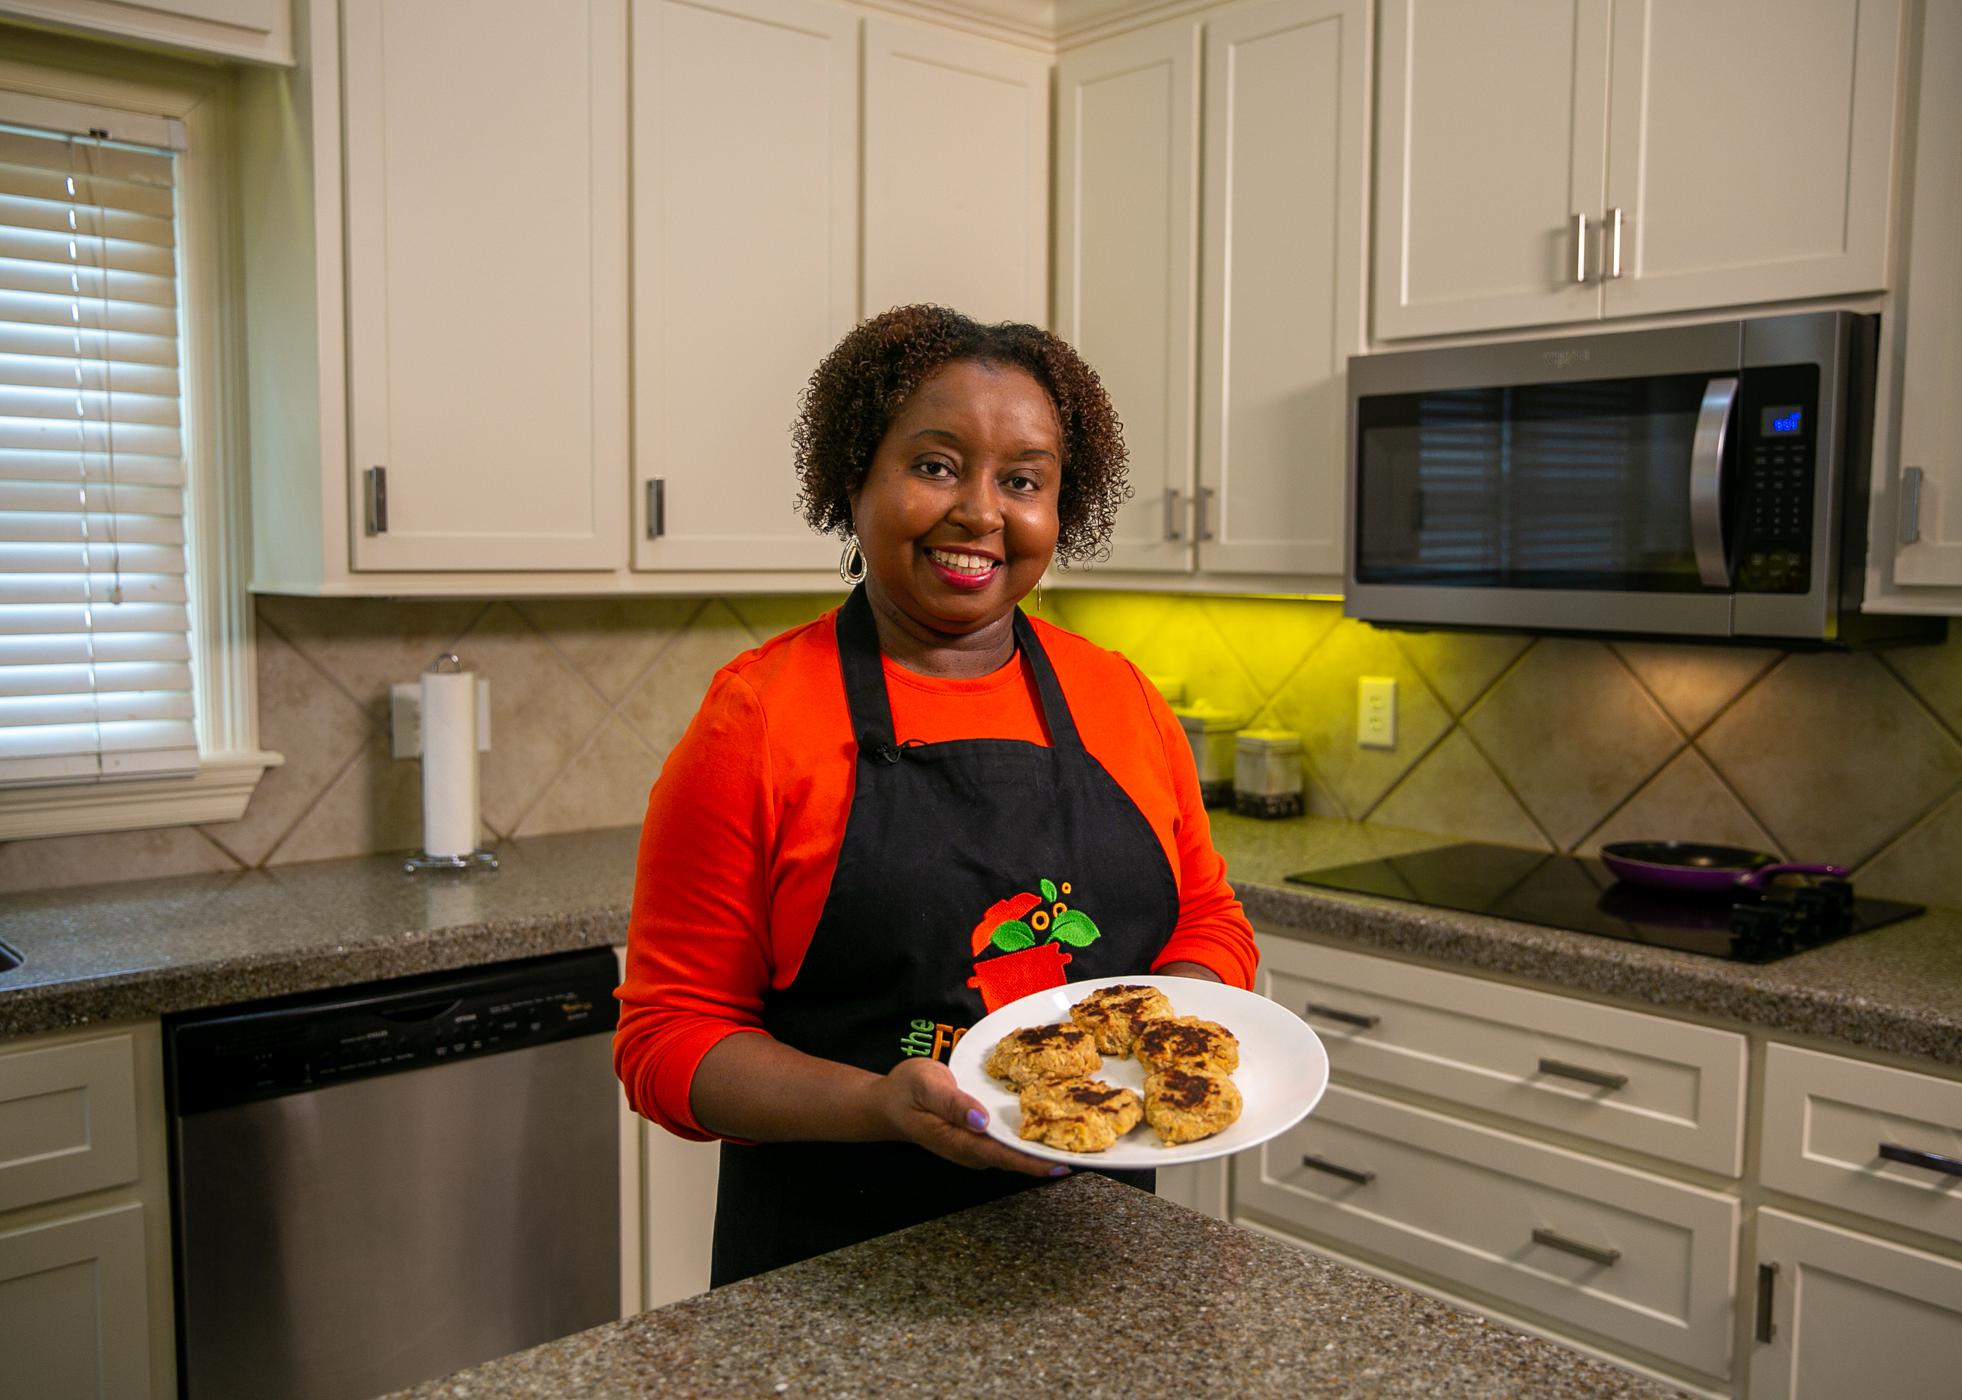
[[1575, 893]]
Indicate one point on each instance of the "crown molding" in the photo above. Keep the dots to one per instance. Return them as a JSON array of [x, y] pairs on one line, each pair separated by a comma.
[[1025, 19], [1077, 21]]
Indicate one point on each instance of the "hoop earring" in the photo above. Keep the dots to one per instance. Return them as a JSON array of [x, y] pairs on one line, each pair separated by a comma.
[[851, 563]]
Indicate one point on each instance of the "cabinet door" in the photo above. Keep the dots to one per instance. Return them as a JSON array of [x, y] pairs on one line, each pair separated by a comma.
[[1490, 122], [1127, 270], [73, 1309], [1931, 304], [1280, 282], [745, 268], [1850, 1315], [956, 173], [487, 282], [1751, 150]]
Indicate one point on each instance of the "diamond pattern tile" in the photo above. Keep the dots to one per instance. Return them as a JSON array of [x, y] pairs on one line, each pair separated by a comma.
[[1461, 666], [1269, 637], [609, 641], [374, 804], [542, 713], [605, 784], [1319, 702], [766, 617], [1686, 801], [313, 725], [55, 861], [667, 697], [1455, 792], [1934, 673], [1921, 864], [366, 644], [1833, 755], [1573, 734], [1693, 683]]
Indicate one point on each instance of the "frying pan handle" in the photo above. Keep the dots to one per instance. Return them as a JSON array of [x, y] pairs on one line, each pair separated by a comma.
[[1754, 879]]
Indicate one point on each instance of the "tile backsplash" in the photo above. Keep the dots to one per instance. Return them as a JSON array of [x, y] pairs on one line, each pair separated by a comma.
[[1558, 744]]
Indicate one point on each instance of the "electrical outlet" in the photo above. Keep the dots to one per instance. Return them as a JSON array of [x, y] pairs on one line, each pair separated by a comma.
[[1376, 712]]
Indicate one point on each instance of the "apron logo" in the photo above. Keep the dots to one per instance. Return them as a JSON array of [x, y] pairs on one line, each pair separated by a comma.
[[1019, 948]]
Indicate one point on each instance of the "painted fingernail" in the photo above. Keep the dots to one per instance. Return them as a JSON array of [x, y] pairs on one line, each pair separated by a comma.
[[976, 1119], [1059, 1171]]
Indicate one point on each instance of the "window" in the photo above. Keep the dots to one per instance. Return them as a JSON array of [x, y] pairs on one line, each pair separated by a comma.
[[126, 682]]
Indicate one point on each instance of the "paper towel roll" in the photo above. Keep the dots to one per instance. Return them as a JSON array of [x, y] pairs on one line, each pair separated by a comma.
[[449, 761]]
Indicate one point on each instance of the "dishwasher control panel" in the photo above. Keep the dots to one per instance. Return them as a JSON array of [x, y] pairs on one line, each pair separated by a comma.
[[309, 1041]]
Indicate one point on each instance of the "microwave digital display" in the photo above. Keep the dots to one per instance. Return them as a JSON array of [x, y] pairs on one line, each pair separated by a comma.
[[1781, 422]]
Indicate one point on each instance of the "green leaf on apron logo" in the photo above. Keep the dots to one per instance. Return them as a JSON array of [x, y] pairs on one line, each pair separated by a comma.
[[1075, 928], [1049, 891], [1012, 936]]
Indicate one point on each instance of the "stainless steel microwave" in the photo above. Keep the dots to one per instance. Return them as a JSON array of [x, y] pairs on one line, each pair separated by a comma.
[[1702, 481]]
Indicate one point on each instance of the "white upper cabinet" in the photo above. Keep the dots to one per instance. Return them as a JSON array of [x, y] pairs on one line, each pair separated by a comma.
[[486, 187], [956, 173], [1220, 202], [1127, 269], [1488, 145], [1280, 292], [745, 268], [1750, 150], [1550, 161], [259, 30], [1928, 486]]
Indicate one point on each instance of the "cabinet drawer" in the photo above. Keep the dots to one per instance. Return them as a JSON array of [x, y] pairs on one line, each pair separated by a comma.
[[1826, 1119], [1627, 1256], [1651, 1084], [67, 1120]]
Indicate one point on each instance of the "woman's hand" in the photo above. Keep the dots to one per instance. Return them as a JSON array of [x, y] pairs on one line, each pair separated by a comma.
[[920, 1102]]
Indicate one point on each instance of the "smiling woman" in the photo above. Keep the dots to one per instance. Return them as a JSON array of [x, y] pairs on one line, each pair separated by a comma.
[[862, 802]]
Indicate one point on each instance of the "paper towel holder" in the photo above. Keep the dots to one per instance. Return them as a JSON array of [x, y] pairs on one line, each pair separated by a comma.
[[405, 724]]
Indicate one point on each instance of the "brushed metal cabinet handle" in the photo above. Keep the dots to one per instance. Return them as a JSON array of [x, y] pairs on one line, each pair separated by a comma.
[[1322, 1164], [1917, 1157], [657, 507], [1614, 242], [1552, 1239], [377, 483], [1206, 494], [1766, 1329], [1910, 504], [1174, 514], [1604, 1078], [1334, 1013], [1580, 249]]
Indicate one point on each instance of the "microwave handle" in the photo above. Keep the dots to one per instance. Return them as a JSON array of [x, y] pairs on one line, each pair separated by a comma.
[[1707, 481]]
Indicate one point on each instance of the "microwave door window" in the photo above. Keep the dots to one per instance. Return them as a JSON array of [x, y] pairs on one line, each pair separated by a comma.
[[1578, 485]]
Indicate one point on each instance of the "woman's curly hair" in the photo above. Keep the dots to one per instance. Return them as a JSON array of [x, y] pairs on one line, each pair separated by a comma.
[[859, 387]]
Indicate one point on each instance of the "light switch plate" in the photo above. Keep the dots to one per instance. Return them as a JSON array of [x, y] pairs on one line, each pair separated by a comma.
[[1376, 712], [405, 718]]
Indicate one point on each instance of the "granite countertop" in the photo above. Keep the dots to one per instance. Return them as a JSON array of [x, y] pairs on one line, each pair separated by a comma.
[[1082, 1287], [131, 950]]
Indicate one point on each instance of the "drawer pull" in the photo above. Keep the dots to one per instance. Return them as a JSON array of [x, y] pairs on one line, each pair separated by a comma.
[[1581, 1072], [1915, 1157], [1335, 1013], [1333, 1169], [1593, 1253], [1767, 1280]]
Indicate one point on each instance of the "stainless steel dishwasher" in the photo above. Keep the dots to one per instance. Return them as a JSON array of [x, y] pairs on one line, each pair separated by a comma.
[[378, 1185]]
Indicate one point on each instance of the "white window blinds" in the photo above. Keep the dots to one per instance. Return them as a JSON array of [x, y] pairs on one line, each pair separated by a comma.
[[95, 675]]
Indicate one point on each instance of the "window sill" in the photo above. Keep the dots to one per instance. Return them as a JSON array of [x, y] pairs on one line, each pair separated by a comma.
[[217, 792]]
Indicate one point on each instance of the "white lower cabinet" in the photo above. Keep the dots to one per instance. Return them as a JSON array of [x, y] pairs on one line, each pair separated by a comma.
[[1584, 1170], [1621, 1254], [85, 1306], [1842, 1314]]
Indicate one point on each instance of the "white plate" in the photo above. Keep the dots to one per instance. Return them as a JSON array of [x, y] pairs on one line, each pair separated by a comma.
[[1283, 1070]]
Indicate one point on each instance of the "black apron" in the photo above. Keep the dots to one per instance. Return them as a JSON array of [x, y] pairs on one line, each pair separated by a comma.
[[971, 873]]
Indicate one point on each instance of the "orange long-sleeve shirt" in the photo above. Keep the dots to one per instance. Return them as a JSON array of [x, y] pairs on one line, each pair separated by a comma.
[[744, 825]]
